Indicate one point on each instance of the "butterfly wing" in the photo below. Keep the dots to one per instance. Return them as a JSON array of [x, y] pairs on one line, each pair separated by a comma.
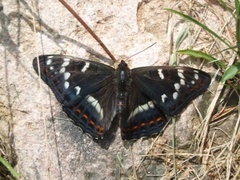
[[83, 88], [170, 88], [142, 118]]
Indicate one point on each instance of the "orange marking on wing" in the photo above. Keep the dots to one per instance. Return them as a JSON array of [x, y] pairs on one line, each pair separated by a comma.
[[100, 130], [143, 125], [92, 123], [159, 119], [85, 116], [79, 111], [134, 128], [151, 122]]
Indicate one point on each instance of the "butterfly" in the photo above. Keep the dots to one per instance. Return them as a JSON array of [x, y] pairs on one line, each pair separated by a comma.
[[92, 94]]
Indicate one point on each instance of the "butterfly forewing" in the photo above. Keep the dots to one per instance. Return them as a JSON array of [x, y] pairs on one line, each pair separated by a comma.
[[81, 86], [171, 88]]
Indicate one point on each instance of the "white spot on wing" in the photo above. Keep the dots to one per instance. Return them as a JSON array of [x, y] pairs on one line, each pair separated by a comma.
[[62, 70], [66, 63], [180, 74], [141, 108], [182, 82], [164, 96], [66, 59], [49, 61], [160, 73], [177, 86], [66, 84], [193, 82], [85, 67], [96, 105], [175, 95], [66, 75], [77, 88], [51, 68], [196, 76]]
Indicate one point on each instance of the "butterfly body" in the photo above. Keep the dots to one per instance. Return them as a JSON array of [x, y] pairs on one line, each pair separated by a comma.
[[122, 77], [92, 93]]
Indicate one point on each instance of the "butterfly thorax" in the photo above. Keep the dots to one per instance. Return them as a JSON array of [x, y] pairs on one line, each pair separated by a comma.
[[123, 80]]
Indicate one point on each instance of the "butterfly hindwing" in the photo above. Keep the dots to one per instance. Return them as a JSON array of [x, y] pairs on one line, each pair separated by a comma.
[[171, 88], [81, 87], [143, 117]]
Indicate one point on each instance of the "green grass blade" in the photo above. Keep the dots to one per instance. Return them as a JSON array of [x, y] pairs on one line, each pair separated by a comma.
[[228, 8], [231, 72], [200, 54], [199, 24], [9, 167], [237, 5], [182, 35]]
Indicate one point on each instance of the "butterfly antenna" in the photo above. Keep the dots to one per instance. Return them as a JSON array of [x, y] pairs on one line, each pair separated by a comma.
[[142, 50], [88, 29]]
